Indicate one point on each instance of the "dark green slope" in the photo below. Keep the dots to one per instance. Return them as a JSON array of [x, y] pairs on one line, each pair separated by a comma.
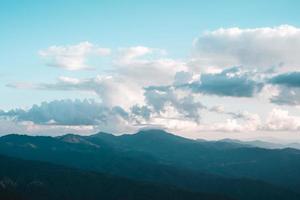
[[154, 156], [278, 166], [33, 180]]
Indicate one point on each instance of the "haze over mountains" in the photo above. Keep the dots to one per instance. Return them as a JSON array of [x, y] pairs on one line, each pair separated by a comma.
[[201, 169], [262, 144]]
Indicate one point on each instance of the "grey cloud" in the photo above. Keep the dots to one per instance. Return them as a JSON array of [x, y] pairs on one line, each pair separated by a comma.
[[159, 98], [289, 88], [182, 77], [67, 112], [288, 79], [287, 96], [227, 83], [143, 111]]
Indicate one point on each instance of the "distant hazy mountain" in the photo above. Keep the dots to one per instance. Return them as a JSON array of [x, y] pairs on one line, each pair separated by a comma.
[[263, 144], [236, 170], [33, 180]]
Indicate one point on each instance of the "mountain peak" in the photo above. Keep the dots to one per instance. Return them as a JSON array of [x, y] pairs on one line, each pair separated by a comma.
[[102, 134], [156, 133], [76, 139], [159, 134], [153, 131], [70, 138]]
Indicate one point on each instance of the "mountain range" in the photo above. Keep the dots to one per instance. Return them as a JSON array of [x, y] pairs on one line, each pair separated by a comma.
[[225, 169], [43, 181], [263, 144]]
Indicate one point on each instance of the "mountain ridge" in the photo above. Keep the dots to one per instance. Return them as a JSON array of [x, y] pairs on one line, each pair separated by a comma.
[[168, 159], [39, 180]]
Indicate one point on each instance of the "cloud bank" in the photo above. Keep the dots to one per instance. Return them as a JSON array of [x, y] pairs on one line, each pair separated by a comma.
[[235, 80], [262, 48]]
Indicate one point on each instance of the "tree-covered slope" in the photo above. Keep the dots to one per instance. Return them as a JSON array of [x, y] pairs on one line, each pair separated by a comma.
[[163, 158], [33, 180]]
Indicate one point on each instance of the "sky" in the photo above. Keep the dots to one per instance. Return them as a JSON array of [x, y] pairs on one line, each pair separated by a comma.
[[200, 69]]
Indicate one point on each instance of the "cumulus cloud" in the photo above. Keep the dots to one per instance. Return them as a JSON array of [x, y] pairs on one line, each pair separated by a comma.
[[234, 122], [258, 47], [162, 99], [291, 79], [72, 57], [67, 112], [147, 66], [126, 55], [229, 125], [177, 113], [65, 116], [132, 69], [182, 77], [147, 88], [230, 82], [28, 127], [112, 91], [141, 112], [279, 120], [288, 85], [287, 96]]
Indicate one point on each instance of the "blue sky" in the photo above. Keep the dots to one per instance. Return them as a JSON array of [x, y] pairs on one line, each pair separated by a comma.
[[28, 26], [168, 31]]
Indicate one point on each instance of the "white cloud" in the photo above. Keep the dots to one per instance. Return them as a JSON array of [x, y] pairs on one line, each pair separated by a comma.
[[72, 57], [112, 90], [28, 127], [239, 122], [65, 116], [126, 55], [147, 66], [185, 126], [153, 89], [21, 85], [261, 48], [279, 120]]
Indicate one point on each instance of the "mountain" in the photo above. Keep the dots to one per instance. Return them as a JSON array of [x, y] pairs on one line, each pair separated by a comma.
[[277, 166], [33, 180], [262, 144], [162, 158]]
